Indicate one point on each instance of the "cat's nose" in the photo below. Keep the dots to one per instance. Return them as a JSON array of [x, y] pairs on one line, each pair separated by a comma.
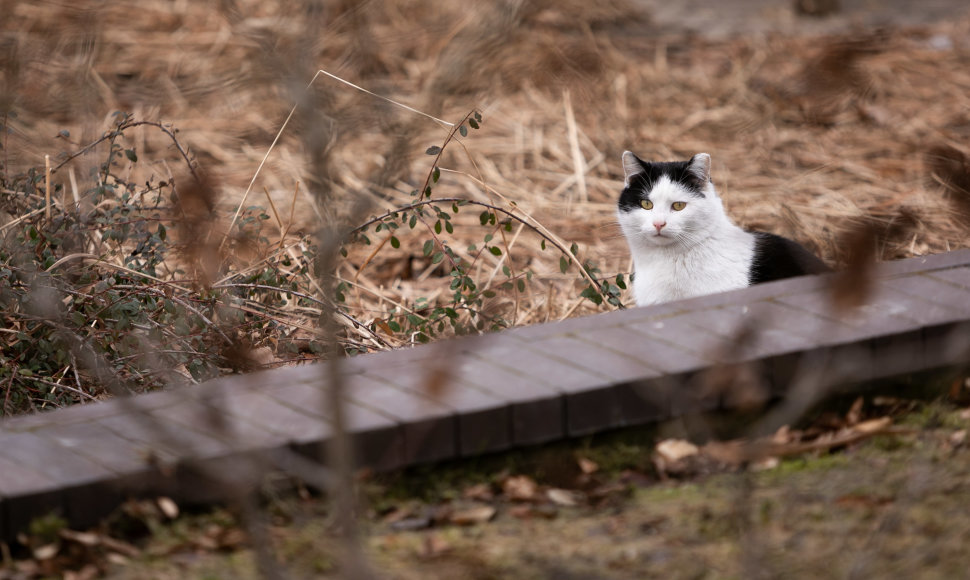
[[659, 225]]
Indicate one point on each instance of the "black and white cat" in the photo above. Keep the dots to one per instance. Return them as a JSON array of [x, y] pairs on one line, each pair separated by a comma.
[[682, 242]]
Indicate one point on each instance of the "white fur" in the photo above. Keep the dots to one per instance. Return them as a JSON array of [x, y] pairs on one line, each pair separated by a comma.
[[698, 250]]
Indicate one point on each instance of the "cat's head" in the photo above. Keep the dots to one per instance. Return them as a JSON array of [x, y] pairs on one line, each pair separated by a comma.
[[668, 203]]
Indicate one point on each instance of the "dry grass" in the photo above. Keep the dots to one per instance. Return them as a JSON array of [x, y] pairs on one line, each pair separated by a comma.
[[808, 135]]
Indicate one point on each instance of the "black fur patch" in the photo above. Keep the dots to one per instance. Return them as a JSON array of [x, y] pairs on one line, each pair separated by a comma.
[[642, 183], [776, 258]]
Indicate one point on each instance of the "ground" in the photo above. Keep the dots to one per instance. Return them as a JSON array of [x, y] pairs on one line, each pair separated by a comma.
[[888, 507], [815, 126]]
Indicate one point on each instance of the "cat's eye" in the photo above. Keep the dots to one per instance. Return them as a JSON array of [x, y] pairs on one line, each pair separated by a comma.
[[646, 204], [678, 205]]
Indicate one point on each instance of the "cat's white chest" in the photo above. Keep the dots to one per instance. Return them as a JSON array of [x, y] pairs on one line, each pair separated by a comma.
[[673, 273]]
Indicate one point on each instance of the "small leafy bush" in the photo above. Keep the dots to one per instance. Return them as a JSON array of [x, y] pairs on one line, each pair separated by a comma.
[[105, 294], [132, 286], [467, 309]]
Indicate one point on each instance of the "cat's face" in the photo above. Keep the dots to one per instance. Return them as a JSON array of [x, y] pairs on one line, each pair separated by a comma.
[[669, 203]]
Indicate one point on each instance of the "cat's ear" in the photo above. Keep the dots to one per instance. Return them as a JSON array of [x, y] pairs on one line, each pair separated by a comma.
[[632, 166], [700, 167]]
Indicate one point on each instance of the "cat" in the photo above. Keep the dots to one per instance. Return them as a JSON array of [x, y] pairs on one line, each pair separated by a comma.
[[684, 245]]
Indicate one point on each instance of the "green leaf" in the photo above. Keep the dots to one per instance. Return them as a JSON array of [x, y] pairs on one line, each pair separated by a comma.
[[449, 228], [433, 150], [428, 247], [573, 249], [437, 227], [463, 130], [495, 250], [395, 243], [507, 271], [521, 285], [474, 122], [563, 264], [162, 233], [489, 294], [483, 217], [542, 245], [438, 257], [620, 282], [435, 174], [413, 221], [590, 293]]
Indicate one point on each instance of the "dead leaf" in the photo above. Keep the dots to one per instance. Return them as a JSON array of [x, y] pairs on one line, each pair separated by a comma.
[[46, 552], [782, 435], [587, 466], [765, 464], [472, 516], [673, 450], [434, 546], [262, 356], [89, 572], [206, 542], [117, 559], [520, 488], [479, 491], [855, 412], [525, 512], [168, 507], [562, 497], [729, 452], [521, 511], [873, 425], [958, 438], [83, 538]]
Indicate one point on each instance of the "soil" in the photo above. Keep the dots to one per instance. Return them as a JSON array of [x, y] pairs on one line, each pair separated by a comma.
[[891, 507]]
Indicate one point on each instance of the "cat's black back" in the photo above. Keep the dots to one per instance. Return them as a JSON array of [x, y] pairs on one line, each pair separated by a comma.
[[776, 258]]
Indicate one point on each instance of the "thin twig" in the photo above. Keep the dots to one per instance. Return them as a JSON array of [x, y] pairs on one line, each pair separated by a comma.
[[537, 228]]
